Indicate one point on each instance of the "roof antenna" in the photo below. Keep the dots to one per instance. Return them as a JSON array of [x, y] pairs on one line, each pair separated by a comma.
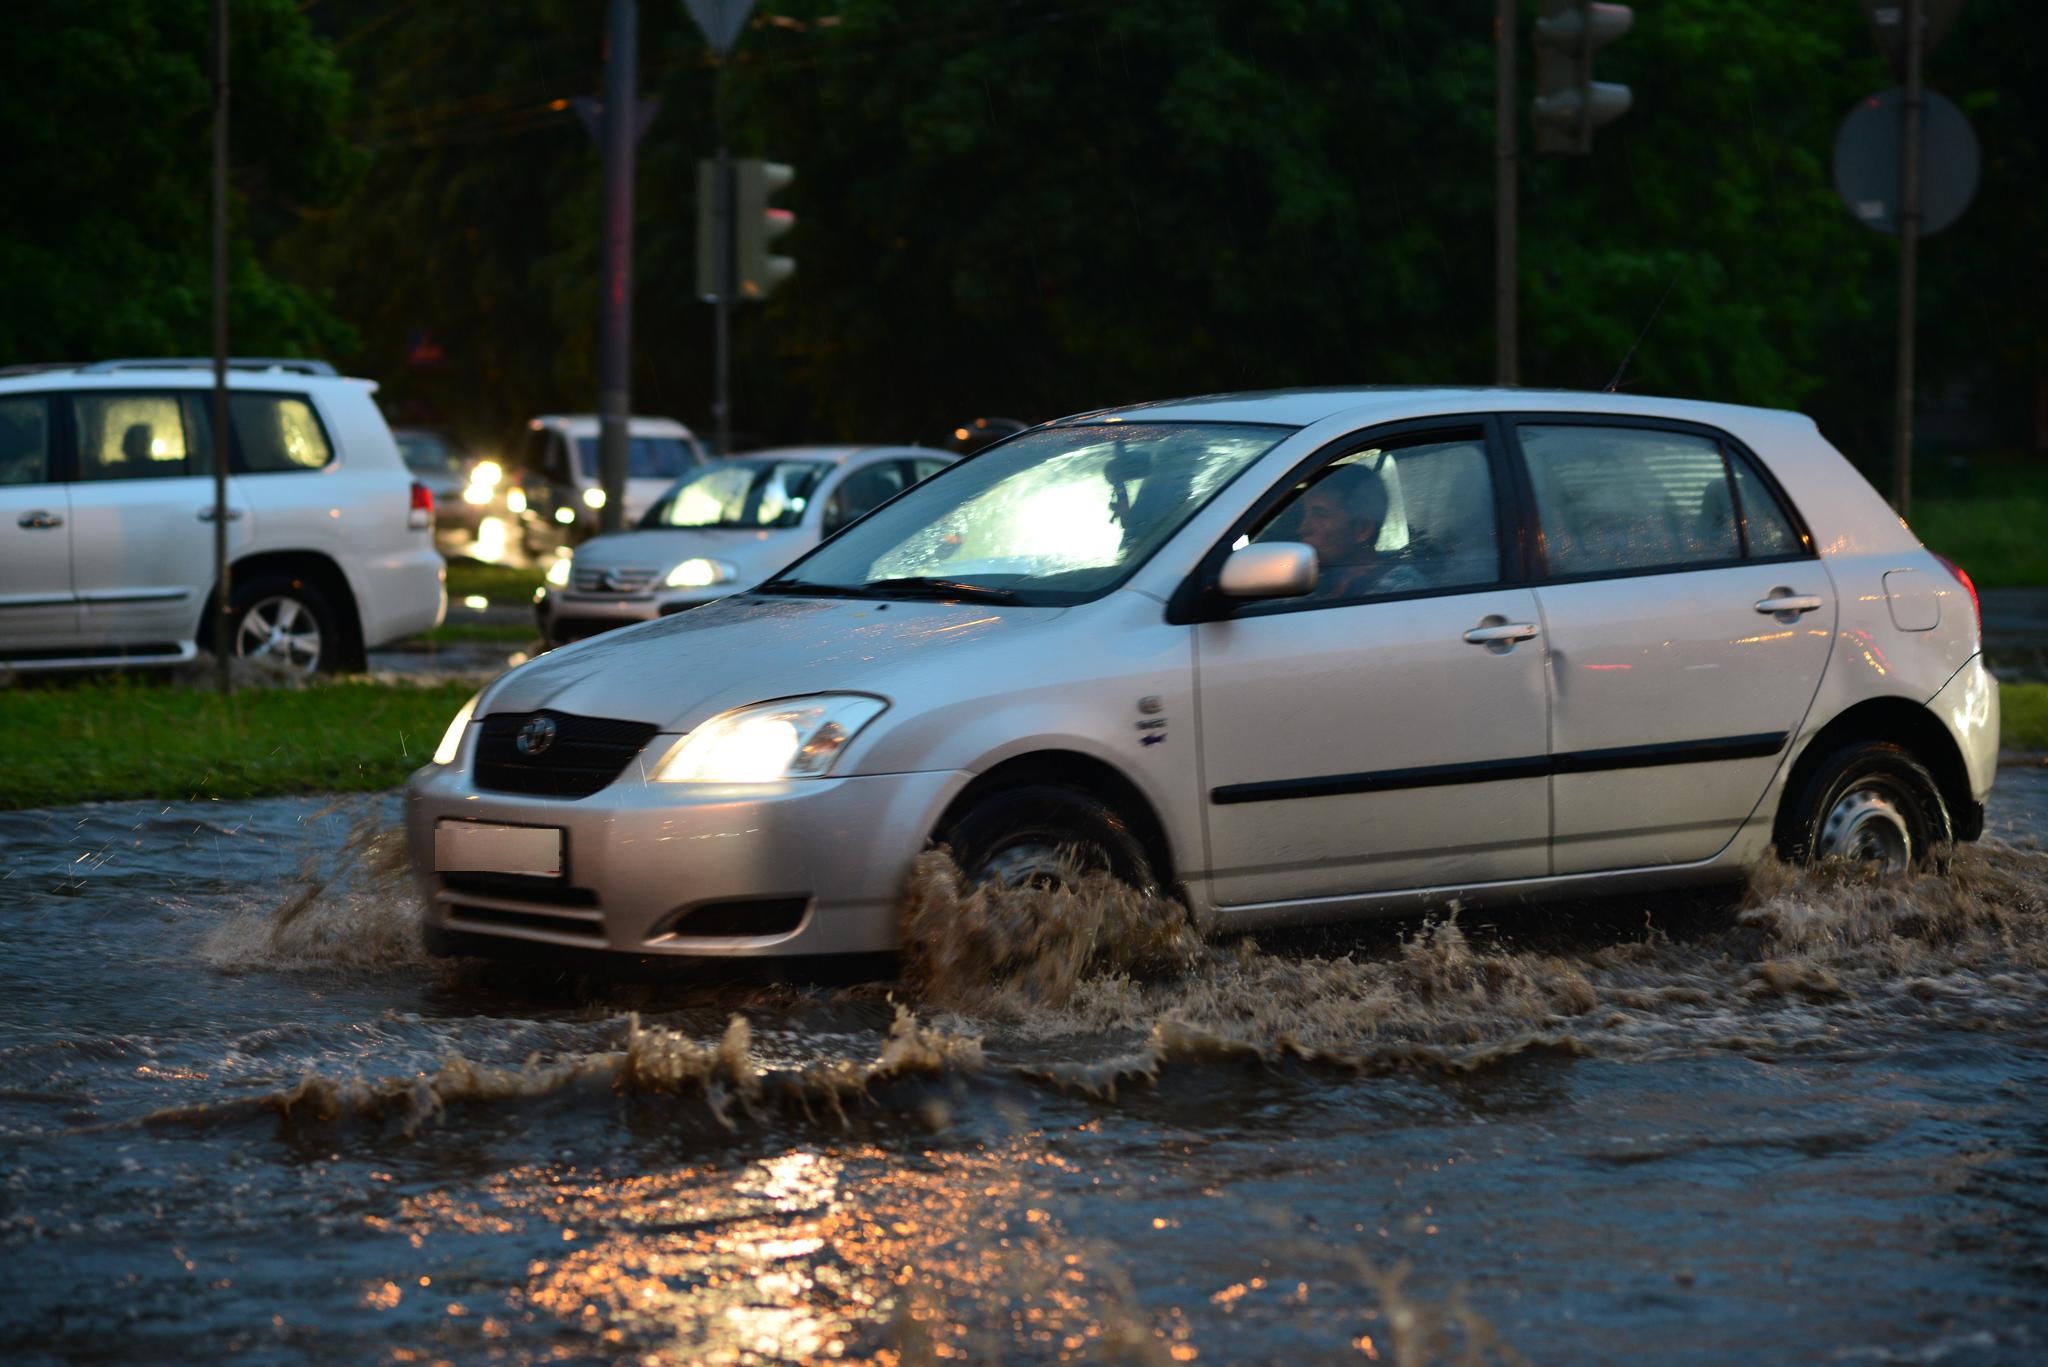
[[1615, 383]]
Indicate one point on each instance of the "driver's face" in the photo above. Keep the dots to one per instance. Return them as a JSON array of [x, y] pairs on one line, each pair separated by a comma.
[[1335, 533]]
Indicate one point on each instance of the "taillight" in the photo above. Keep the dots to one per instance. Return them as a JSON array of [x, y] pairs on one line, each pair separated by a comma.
[[422, 515], [1963, 578]]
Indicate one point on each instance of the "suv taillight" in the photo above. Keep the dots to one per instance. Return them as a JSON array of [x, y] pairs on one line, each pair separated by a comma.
[[422, 515], [1963, 578]]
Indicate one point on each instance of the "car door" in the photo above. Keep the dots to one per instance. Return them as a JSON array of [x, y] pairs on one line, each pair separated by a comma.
[[1387, 731], [1688, 622], [38, 611], [142, 544]]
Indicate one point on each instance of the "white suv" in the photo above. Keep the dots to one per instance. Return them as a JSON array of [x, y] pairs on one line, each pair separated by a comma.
[[107, 517]]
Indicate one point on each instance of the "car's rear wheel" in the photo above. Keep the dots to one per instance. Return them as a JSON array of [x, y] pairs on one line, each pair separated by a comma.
[[287, 624], [1046, 835], [1869, 803]]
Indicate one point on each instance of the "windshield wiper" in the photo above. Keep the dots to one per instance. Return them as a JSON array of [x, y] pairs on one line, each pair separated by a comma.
[[911, 586]]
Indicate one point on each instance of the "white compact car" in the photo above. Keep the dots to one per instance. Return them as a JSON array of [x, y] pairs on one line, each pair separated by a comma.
[[107, 517], [722, 528], [1291, 657]]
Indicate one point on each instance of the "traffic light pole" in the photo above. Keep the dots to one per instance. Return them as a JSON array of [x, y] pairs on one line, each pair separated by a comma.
[[615, 333], [1909, 257], [1506, 363], [224, 606]]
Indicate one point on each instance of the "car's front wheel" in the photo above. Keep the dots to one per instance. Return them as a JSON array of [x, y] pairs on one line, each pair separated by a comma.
[[287, 624], [1046, 835], [1869, 803]]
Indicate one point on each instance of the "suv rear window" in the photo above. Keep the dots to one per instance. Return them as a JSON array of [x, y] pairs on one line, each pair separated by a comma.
[[131, 436], [276, 432]]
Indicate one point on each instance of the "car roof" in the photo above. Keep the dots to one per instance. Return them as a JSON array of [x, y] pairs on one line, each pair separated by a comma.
[[173, 372], [587, 424], [1386, 403]]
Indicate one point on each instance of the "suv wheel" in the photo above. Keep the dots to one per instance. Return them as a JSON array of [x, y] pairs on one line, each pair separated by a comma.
[[1869, 803], [1045, 835], [286, 623]]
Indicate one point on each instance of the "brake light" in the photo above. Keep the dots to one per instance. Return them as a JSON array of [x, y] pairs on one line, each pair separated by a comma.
[[1963, 578], [421, 517]]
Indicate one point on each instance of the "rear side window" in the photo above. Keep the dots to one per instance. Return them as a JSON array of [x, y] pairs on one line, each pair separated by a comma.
[[132, 436], [24, 440], [276, 433], [1767, 530], [863, 491], [1615, 499]]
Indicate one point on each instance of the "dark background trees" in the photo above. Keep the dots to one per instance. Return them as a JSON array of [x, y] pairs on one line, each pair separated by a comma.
[[1024, 207]]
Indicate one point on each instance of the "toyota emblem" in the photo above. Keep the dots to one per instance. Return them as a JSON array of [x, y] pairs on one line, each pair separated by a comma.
[[536, 736]]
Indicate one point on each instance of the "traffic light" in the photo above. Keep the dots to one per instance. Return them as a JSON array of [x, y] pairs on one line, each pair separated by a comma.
[[1569, 103], [756, 224]]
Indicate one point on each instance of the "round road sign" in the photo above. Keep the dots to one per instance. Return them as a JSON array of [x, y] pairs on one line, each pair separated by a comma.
[[1867, 161]]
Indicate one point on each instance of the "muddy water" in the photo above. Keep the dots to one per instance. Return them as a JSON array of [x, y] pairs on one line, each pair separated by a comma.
[[242, 1117]]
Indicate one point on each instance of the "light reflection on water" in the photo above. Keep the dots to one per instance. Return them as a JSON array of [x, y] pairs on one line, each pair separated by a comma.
[[1813, 1133]]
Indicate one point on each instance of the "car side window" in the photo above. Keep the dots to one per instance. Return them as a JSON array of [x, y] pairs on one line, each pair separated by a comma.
[[1767, 531], [131, 436], [924, 467], [24, 439], [862, 491], [1418, 517], [1617, 499], [276, 433]]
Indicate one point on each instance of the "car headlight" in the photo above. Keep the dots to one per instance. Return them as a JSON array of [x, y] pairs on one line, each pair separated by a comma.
[[486, 474], [444, 753], [699, 573], [558, 571], [793, 738]]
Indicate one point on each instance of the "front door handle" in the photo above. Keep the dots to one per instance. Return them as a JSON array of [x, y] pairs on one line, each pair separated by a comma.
[[1786, 601], [1504, 633], [38, 520], [207, 514]]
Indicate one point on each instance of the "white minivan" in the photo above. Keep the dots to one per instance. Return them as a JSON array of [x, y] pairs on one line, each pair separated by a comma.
[[107, 516]]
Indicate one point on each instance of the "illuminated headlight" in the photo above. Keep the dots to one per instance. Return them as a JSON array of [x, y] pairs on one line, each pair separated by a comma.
[[476, 494], [565, 515], [558, 572], [485, 474], [794, 738], [444, 753], [515, 500], [698, 573], [593, 498]]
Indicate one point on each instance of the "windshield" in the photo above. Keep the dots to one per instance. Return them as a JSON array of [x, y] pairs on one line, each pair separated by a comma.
[[1051, 517], [425, 453], [646, 457], [740, 493]]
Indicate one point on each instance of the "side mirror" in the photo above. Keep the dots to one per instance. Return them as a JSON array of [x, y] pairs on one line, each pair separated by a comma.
[[1276, 569]]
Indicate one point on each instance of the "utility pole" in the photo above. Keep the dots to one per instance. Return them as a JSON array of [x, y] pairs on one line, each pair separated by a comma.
[[728, 271], [1506, 362], [615, 331], [1909, 256], [224, 612]]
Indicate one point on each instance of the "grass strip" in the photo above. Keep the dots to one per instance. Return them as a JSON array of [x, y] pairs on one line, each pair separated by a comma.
[[123, 738], [502, 584], [2023, 716], [1989, 521]]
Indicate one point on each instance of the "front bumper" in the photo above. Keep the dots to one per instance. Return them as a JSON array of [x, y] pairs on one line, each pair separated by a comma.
[[565, 615], [824, 862]]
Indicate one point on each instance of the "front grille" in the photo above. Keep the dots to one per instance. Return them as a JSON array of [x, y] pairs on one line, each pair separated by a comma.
[[587, 753], [595, 580], [519, 887]]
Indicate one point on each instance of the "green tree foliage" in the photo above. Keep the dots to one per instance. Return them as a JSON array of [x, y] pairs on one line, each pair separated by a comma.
[[107, 118]]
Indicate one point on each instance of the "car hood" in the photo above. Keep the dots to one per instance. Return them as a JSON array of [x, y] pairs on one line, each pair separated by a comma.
[[754, 555], [676, 672]]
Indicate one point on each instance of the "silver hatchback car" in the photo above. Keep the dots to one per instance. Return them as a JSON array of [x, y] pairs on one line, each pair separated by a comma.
[[1289, 657]]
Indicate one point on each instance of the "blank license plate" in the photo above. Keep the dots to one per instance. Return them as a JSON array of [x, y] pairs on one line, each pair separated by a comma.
[[473, 847]]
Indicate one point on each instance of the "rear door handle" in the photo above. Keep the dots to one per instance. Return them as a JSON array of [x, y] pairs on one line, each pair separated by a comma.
[[38, 519], [1506, 632], [207, 514], [1786, 601]]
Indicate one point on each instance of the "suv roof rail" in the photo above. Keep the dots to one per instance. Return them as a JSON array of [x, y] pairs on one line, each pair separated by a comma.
[[35, 368], [297, 364]]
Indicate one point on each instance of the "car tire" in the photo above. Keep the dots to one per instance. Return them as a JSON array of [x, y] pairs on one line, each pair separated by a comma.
[[1870, 803], [288, 623], [1044, 835]]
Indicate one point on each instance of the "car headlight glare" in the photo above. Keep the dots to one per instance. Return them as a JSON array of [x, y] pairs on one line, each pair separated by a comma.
[[768, 742], [451, 742], [486, 473], [515, 500], [699, 573], [558, 571]]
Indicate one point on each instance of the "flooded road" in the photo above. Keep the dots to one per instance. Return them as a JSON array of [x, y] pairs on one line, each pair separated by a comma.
[[242, 1117]]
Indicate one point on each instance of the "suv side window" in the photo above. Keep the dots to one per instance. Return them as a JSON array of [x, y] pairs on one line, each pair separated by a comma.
[[131, 436], [24, 439], [276, 433], [1618, 499], [865, 489], [1417, 517]]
